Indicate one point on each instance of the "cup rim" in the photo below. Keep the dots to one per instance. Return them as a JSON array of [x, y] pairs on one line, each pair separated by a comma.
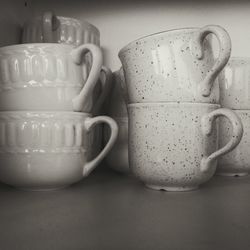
[[165, 104], [131, 44]]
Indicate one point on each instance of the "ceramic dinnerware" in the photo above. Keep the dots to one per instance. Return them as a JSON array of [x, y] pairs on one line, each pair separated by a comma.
[[173, 146], [175, 66], [47, 150]]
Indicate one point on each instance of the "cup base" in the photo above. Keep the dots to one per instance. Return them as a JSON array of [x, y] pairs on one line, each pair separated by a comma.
[[232, 174], [42, 189], [172, 189]]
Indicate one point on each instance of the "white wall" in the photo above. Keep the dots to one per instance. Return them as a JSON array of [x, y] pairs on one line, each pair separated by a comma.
[[123, 21]]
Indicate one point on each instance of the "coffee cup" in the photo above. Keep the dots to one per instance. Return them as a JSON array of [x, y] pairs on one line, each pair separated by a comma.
[[50, 28], [173, 146], [42, 151], [175, 66]]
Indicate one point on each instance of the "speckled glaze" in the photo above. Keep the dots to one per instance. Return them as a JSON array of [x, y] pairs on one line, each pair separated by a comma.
[[237, 162], [57, 29], [48, 76], [175, 65], [234, 83], [173, 146], [117, 158], [116, 104], [47, 150]]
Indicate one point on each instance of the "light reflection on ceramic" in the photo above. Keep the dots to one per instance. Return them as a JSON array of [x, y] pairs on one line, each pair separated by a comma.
[[235, 84], [117, 158], [175, 65], [47, 150], [57, 29], [48, 77], [237, 162], [173, 146]]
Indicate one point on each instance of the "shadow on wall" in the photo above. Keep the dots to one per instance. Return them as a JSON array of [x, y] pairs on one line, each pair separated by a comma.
[[13, 14]]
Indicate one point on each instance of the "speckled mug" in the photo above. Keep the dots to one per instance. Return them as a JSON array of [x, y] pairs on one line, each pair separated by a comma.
[[57, 29], [175, 66], [173, 146], [234, 83], [237, 162], [48, 76]]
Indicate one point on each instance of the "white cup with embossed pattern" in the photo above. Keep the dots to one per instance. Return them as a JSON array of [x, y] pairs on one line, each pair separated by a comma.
[[174, 146], [48, 150], [48, 76], [50, 28], [175, 66]]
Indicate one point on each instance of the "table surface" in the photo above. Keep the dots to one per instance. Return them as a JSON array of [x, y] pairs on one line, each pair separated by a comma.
[[108, 210]]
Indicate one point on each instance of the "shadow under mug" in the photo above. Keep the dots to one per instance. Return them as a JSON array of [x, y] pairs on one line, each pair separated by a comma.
[[173, 146], [50, 28], [48, 76], [234, 83], [42, 151], [175, 65], [237, 162]]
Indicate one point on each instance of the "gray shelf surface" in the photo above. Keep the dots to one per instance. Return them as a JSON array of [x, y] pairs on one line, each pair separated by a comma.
[[108, 210]]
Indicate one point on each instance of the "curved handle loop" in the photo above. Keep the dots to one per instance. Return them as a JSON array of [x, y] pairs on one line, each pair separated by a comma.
[[81, 102], [50, 24], [224, 54], [105, 88], [207, 126], [88, 124]]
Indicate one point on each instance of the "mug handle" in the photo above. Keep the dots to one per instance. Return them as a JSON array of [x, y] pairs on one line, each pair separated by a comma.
[[80, 102], [105, 88], [224, 54], [88, 124], [50, 24], [207, 127]]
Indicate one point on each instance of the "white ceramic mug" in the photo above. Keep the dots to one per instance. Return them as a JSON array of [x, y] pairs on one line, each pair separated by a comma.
[[117, 158], [48, 76], [175, 65], [234, 83], [57, 29], [237, 162], [173, 146], [47, 150]]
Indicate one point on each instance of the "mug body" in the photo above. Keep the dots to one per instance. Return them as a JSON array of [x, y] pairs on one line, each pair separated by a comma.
[[237, 162], [40, 77], [163, 68], [69, 31], [166, 144], [117, 158], [42, 150], [234, 82]]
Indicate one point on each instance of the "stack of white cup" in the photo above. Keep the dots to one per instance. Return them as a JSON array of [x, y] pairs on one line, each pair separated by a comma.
[[173, 102], [50, 90]]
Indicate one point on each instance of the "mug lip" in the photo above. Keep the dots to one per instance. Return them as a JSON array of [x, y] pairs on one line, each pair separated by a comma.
[[36, 45], [34, 113], [131, 44], [174, 104]]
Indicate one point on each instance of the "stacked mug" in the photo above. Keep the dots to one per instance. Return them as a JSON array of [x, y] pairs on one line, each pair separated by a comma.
[[47, 102], [173, 106], [235, 94]]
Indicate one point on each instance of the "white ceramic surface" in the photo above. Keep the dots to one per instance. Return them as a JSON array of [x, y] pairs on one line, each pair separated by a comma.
[[47, 150], [116, 105], [237, 162], [175, 65], [173, 146], [48, 77], [234, 83], [117, 158], [57, 29]]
